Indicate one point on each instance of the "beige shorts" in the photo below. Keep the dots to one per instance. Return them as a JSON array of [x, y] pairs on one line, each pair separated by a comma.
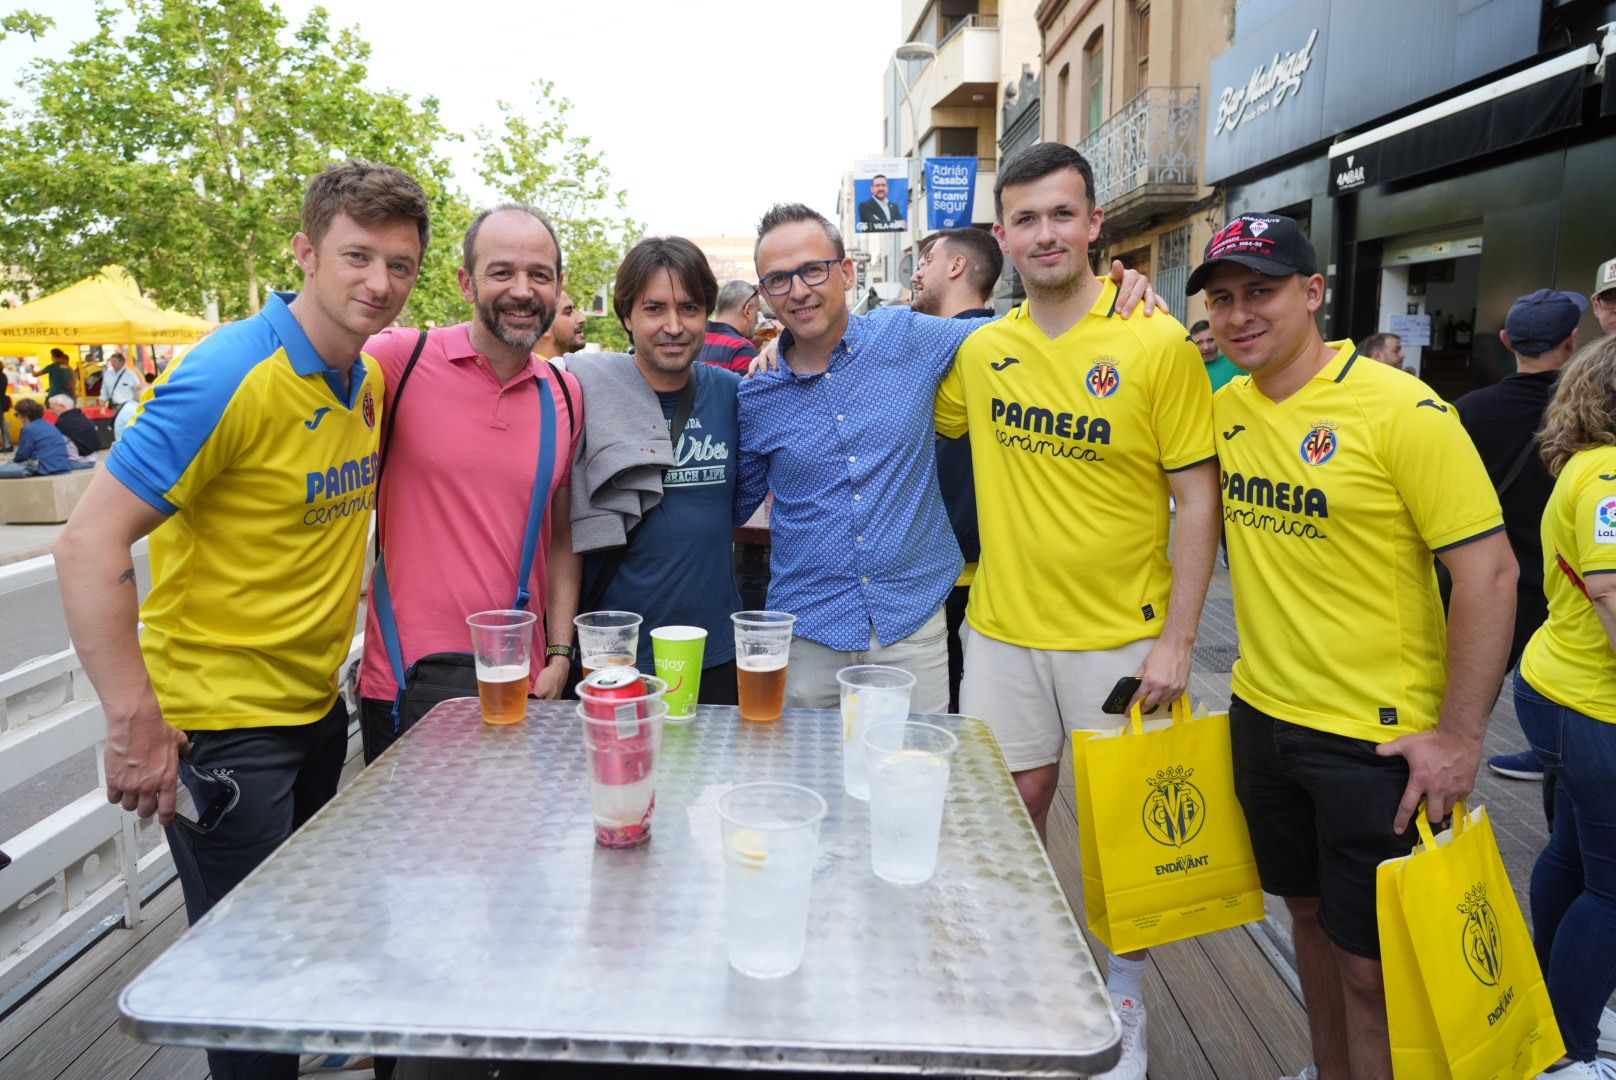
[[1033, 699]]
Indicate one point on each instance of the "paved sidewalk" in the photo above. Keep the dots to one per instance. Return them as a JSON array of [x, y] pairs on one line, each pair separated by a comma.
[[19, 542]]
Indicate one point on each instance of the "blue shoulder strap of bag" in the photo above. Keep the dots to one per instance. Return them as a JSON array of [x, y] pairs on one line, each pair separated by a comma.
[[381, 593]]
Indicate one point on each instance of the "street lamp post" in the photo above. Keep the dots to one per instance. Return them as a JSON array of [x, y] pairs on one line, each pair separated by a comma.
[[909, 51]]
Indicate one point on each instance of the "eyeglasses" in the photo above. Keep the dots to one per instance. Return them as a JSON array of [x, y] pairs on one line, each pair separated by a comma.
[[812, 273]]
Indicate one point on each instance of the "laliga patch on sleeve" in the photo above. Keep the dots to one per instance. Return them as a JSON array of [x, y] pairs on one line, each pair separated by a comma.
[[1605, 521]]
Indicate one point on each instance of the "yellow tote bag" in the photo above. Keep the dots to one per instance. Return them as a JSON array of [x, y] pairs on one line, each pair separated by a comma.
[[1465, 999], [1166, 855]]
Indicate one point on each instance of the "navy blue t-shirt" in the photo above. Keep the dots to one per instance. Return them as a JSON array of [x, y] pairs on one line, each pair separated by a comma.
[[681, 569]]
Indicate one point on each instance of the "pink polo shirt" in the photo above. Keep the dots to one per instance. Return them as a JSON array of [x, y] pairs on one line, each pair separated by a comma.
[[455, 492]]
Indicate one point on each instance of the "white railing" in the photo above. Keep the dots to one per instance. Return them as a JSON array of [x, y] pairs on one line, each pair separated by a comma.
[[80, 868]]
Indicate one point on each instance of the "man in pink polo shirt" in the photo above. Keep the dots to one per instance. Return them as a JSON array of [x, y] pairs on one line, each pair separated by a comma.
[[458, 477]]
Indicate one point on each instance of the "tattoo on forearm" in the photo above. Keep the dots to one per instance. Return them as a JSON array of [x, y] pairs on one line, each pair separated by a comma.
[[127, 577]]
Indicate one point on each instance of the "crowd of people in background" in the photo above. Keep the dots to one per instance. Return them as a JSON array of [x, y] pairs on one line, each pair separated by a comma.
[[1019, 576]]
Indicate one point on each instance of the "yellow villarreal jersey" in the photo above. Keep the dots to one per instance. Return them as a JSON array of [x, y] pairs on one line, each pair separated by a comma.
[[1570, 659], [1333, 502], [1071, 443], [267, 471]]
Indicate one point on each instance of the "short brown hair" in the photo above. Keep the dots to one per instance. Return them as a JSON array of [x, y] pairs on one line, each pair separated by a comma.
[[1582, 413], [29, 409], [1036, 162], [674, 254], [369, 194]]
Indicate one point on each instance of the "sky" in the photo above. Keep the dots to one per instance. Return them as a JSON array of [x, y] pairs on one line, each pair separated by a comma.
[[708, 111]]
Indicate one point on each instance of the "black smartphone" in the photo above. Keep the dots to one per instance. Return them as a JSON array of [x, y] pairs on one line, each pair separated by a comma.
[[203, 797], [1116, 702]]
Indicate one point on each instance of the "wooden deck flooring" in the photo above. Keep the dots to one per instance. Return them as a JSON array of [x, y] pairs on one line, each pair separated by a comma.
[[1219, 1010]]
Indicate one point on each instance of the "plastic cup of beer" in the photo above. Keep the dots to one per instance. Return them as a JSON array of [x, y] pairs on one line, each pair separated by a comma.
[[871, 694], [908, 766], [762, 649], [771, 841], [677, 652], [607, 639], [502, 642], [622, 739]]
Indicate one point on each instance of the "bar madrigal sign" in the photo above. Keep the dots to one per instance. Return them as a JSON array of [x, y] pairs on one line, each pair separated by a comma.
[[1268, 88]]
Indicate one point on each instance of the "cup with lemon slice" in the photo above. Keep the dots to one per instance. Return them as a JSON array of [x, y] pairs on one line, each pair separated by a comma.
[[908, 765], [770, 843], [871, 694]]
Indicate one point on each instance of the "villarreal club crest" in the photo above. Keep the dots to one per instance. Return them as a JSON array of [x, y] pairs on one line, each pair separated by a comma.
[[1103, 379], [1320, 443]]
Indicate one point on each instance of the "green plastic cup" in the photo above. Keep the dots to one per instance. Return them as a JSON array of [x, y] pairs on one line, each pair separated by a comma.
[[677, 651]]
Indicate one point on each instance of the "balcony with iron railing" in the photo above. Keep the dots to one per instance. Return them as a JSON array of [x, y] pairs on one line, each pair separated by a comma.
[[1144, 156]]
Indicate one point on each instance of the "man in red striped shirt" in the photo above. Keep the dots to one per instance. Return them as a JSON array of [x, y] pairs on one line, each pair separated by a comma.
[[729, 343]]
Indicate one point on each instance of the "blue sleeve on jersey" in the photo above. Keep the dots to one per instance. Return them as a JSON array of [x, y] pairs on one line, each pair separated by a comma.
[[186, 408]]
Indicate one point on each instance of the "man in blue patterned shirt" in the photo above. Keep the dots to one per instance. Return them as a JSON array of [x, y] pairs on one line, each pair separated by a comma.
[[842, 434]]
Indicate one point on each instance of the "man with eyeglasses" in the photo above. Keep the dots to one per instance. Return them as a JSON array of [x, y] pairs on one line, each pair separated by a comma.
[[842, 434], [729, 332]]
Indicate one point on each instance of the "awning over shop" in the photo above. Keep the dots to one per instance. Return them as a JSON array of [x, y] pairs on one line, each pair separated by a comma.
[[100, 310], [1539, 101]]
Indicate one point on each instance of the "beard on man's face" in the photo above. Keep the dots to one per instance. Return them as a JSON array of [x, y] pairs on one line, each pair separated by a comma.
[[490, 316]]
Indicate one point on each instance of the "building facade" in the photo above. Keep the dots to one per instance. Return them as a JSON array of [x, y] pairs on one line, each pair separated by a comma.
[[1458, 171], [1125, 81], [958, 66]]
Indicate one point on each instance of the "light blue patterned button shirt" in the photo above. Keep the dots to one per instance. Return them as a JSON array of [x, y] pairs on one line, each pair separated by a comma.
[[859, 533]]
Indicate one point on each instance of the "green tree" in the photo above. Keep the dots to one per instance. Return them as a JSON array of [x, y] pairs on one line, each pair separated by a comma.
[[178, 140], [25, 22], [534, 159]]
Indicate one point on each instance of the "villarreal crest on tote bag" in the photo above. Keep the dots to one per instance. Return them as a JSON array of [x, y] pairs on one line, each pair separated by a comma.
[[1166, 855], [1465, 998]]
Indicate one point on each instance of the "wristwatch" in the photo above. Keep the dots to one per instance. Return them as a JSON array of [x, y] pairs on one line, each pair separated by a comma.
[[559, 650]]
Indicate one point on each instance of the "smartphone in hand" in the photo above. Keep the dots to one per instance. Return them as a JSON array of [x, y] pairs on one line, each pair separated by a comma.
[[1116, 702], [203, 797]]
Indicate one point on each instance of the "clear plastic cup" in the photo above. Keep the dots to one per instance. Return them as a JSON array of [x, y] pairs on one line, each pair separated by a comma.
[[502, 643], [771, 841], [908, 765], [871, 694], [607, 639], [762, 651], [621, 742]]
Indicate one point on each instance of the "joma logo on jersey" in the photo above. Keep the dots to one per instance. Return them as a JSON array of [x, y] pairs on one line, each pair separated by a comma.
[[345, 479], [1103, 378], [1261, 491], [1048, 422], [1320, 444]]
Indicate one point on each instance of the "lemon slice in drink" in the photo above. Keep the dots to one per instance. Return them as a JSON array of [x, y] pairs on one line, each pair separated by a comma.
[[905, 757], [751, 846], [849, 710]]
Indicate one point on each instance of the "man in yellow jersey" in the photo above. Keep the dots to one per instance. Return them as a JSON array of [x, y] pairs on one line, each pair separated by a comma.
[[1082, 426], [253, 467], [1353, 703]]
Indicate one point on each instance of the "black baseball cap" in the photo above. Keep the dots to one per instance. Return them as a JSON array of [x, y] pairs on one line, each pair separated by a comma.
[[1267, 243], [1539, 321]]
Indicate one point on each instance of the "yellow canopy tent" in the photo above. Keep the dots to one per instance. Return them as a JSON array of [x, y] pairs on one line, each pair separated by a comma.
[[106, 308]]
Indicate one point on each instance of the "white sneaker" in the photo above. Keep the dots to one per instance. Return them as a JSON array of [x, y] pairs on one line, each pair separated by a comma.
[[1607, 1031], [1309, 1073], [1131, 1065], [1582, 1070]]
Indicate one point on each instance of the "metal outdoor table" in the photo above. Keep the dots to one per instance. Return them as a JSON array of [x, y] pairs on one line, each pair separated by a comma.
[[452, 902]]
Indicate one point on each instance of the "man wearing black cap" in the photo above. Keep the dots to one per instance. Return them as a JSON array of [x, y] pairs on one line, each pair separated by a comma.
[[1503, 419], [1340, 478]]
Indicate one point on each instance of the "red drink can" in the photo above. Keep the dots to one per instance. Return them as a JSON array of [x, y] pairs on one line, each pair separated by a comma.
[[617, 694]]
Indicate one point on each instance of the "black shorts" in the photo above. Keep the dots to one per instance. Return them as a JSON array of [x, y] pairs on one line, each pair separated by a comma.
[[1320, 808]]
